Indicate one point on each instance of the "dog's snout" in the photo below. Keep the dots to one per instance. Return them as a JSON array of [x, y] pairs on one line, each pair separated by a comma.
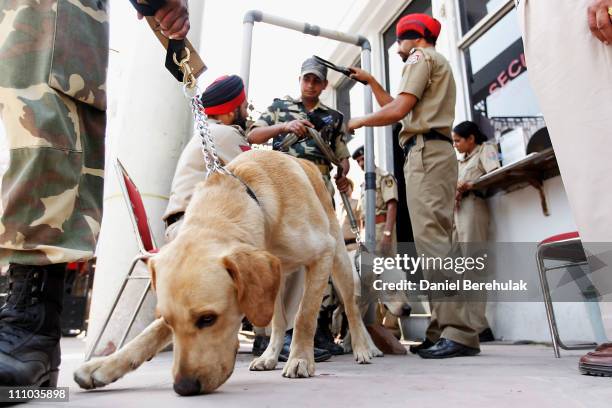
[[187, 386]]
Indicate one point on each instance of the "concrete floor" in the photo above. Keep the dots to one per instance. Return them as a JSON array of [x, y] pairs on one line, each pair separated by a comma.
[[517, 376]]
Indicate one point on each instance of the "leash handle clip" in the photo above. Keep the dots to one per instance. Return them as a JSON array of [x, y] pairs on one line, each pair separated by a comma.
[[189, 79]]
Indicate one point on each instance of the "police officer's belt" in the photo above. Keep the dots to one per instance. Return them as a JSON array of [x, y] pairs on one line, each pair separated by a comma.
[[431, 135]]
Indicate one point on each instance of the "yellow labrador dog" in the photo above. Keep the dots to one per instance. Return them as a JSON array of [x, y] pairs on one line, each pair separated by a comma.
[[229, 260]]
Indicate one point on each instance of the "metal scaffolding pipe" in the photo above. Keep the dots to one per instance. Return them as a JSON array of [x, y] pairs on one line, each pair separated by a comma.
[[370, 171]]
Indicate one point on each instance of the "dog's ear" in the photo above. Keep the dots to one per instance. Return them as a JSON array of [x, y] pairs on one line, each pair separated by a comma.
[[257, 278], [151, 266]]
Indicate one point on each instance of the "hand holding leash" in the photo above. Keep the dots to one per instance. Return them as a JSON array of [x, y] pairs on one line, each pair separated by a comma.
[[169, 20]]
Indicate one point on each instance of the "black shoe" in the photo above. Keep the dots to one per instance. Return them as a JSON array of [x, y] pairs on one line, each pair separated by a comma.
[[445, 348], [486, 335], [246, 325], [319, 354], [424, 345], [323, 338], [30, 327], [260, 344]]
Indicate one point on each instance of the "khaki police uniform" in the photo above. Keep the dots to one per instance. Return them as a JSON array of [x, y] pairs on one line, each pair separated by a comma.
[[386, 190], [53, 60], [229, 141], [430, 171], [569, 70], [472, 216]]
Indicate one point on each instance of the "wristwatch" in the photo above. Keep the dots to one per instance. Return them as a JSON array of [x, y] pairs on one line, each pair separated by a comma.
[[387, 233]]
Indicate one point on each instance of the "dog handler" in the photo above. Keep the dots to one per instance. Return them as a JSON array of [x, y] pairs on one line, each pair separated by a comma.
[[426, 105]]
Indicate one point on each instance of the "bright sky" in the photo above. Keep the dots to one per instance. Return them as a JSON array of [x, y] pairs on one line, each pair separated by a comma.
[[277, 52]]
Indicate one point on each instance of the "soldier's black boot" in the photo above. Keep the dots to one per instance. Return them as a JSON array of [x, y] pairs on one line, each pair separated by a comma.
[[323, 336], [30, 326]]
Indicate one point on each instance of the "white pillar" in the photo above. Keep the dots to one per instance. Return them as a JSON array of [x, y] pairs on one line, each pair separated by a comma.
[[149, 123]]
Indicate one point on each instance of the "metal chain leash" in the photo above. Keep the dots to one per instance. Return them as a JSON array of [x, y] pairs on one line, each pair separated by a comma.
[[200, 119], [211, 158]]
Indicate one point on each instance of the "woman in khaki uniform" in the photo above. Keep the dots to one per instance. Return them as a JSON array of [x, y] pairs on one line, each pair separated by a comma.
[[476, 159]]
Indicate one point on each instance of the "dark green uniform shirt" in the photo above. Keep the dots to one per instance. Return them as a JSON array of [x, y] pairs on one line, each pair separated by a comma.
[[288, 109]]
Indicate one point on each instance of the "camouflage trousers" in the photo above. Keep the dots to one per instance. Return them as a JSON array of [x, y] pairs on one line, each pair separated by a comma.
[[53, 57]]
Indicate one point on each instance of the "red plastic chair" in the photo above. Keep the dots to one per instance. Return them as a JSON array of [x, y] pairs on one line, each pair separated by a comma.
[[146, 246], [566, 248]]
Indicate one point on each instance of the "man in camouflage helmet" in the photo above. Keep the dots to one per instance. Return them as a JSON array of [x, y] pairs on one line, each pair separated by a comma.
[[54, 57], [292, 116]]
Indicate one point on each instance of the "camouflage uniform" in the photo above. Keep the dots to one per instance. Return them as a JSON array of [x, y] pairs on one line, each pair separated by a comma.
[[54, 57], [288, 109]]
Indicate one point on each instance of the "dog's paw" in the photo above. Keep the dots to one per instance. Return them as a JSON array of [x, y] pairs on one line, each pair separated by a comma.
[[363, 355], [87, 375], [97, 373], [263, 364], [298, 368]]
